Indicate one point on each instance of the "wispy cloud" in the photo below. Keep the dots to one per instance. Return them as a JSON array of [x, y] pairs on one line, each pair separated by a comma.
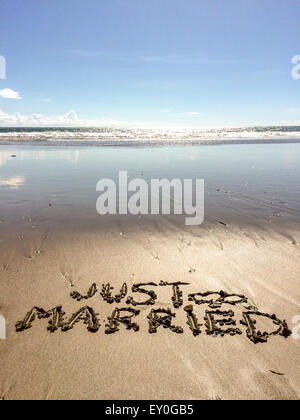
[[47, 100], [9, 94], [194, 113], [90, 54], [155, 59], [288, 123], [191, 113], [185, 59], [177, 59], [293, 110]]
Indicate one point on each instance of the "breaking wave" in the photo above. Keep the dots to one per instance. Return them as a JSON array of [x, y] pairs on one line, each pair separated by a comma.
[[155, 136]]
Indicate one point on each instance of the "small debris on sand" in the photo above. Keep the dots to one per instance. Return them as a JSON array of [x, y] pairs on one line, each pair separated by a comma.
[[277, 373]]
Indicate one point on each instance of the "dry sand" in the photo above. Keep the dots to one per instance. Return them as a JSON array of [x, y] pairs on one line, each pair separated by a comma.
[[39, 264]]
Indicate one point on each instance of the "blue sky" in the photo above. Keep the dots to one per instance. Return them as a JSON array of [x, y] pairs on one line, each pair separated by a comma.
[[149, 63]]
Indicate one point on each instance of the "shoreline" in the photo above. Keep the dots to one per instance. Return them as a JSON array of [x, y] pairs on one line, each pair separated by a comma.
[[146, 143]]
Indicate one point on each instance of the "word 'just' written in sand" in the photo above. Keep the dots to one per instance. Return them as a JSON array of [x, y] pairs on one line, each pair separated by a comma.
[[218, 321]]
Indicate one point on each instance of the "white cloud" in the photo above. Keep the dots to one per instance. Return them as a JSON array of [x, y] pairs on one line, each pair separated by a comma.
[[9, 94], [166, 111], [70, 119], [47, 100]]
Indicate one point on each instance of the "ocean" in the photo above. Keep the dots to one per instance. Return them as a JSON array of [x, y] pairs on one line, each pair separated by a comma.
[[153, 136]]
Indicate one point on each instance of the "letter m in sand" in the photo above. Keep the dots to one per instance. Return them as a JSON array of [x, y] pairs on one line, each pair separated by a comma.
[[2, 67], [2, 328]]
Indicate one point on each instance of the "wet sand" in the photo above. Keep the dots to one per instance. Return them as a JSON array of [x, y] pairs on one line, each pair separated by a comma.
[[52, 242]]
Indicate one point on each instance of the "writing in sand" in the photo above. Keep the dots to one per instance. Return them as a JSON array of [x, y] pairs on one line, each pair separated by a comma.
[[218, 319]]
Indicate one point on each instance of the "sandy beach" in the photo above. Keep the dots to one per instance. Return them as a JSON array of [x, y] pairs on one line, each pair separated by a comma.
[[53, 243], [149, 203]]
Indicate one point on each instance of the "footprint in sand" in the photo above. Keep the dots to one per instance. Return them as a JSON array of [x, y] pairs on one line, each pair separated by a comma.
[[35, 247], [8, 260], [5, 267], [69, 277]]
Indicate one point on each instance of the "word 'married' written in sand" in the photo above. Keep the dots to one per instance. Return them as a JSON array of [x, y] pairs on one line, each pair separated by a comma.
[[218, 319]]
